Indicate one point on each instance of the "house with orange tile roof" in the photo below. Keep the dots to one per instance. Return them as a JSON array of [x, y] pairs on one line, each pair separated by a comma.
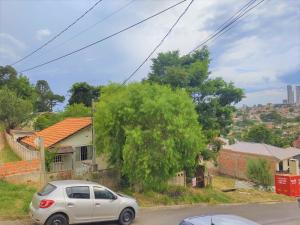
[[71, 140]]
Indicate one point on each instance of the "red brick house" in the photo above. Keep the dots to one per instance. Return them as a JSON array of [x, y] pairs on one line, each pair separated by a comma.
[[232, 159]]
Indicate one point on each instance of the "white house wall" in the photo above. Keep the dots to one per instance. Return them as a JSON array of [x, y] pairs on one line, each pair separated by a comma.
[[81, 138]]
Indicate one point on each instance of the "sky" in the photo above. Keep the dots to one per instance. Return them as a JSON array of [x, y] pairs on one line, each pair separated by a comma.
[[260, 54]]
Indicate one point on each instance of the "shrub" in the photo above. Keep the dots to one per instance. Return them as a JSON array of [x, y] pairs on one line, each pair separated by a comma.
[[258, 171]]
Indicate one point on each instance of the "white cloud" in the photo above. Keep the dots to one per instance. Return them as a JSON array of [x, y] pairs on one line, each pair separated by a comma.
[[42, 33], [10, 47]]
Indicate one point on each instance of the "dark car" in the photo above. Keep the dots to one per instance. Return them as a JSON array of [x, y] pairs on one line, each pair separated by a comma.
[[217, 220]]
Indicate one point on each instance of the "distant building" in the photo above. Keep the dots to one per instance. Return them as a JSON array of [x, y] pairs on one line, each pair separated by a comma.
[[233, 159], [298, 95], [290, 95], [285, 102]]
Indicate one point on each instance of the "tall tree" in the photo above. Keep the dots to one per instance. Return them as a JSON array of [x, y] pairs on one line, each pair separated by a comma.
[[148, 131], [213, 98], [46, 99], [83, 93], [18, 83], [13, 110]]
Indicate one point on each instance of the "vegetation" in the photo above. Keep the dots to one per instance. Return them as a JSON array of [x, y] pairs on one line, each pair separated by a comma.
[[47, 119], [271, 117], [171, 195], [18, 84], [15, 200], [149, 132], [14, 110], [7, 155], [261, 134], [258, 171], [213, 98], [46, 98], [21, 99], [83, 93]]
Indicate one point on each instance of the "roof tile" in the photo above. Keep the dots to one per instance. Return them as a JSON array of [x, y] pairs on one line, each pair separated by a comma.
[[58, 131]]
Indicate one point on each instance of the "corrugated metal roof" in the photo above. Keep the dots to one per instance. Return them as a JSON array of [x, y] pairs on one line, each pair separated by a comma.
[[264, 149]]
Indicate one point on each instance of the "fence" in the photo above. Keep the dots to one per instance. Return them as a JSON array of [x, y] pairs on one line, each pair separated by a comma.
[[20, 150]]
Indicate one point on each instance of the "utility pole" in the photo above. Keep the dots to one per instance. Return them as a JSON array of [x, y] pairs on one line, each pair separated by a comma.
[[40, 143], [93, 135]]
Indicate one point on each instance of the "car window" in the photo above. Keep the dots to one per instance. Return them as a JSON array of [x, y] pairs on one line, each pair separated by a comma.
[[101, 193], [82, 192], [46, 190]]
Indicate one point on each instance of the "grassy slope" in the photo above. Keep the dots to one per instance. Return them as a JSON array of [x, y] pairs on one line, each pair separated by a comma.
[[213, 195], [14, 200], [7, 155]]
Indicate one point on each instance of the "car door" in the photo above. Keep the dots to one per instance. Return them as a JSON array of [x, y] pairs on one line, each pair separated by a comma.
[[106, 205], [79, 204]]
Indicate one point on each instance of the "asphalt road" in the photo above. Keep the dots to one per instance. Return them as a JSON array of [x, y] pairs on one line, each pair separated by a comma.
[[265, 214]]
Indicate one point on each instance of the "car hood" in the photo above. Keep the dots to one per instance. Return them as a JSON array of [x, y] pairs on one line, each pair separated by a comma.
[[126, 197], [219, 220]]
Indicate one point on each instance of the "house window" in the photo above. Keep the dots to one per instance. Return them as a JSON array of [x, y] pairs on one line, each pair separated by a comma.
[[58, 159], [83, 153]]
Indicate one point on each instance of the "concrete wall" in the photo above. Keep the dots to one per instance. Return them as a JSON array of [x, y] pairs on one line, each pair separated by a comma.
[[234, 164], [31, 177], [23, 152]]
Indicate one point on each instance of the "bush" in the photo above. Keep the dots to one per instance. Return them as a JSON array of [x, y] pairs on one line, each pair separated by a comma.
[[258, 171]]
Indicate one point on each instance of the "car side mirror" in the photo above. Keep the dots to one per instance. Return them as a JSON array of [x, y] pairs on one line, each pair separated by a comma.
[[114, 197]]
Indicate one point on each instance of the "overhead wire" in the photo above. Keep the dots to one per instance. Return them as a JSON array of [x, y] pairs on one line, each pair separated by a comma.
[[92, 26], [59, 34], [228, 26], [105, 38], [159, 44]]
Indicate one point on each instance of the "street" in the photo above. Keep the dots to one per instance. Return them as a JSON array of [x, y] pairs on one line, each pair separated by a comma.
[[265, 214]]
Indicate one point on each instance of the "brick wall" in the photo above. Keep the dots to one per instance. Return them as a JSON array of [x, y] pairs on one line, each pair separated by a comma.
[[20, 167], [234, 164]]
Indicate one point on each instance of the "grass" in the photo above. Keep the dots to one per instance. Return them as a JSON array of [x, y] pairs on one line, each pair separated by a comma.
[[247, 195], [211, 195], [15, 200], [7, 155]]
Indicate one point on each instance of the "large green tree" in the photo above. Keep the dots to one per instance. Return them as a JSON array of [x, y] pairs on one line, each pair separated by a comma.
[[83, 93], [13, 109], [213, 97], [18, 83], [46, 98], [148, 131]]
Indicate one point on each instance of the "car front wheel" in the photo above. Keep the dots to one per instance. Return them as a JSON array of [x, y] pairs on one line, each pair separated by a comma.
[[57, 219], [126, 217]]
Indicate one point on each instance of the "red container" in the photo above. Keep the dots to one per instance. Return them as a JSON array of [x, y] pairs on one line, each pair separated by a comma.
[[287, 185]]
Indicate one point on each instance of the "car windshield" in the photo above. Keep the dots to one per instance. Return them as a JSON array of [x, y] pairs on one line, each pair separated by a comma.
[[46, 190]]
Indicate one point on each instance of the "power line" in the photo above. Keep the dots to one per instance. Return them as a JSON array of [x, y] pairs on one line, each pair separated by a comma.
[[60, 33], [229, 26], [159, 44], [92, 26], [105, 38]]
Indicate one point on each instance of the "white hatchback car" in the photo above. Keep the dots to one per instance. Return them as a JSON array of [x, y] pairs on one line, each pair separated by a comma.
[[70, 202]]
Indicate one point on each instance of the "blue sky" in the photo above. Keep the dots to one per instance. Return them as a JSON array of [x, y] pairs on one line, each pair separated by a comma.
[[261, 54]]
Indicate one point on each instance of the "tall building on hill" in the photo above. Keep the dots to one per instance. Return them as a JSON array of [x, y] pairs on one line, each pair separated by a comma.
[[298, 95], [290, 95]]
